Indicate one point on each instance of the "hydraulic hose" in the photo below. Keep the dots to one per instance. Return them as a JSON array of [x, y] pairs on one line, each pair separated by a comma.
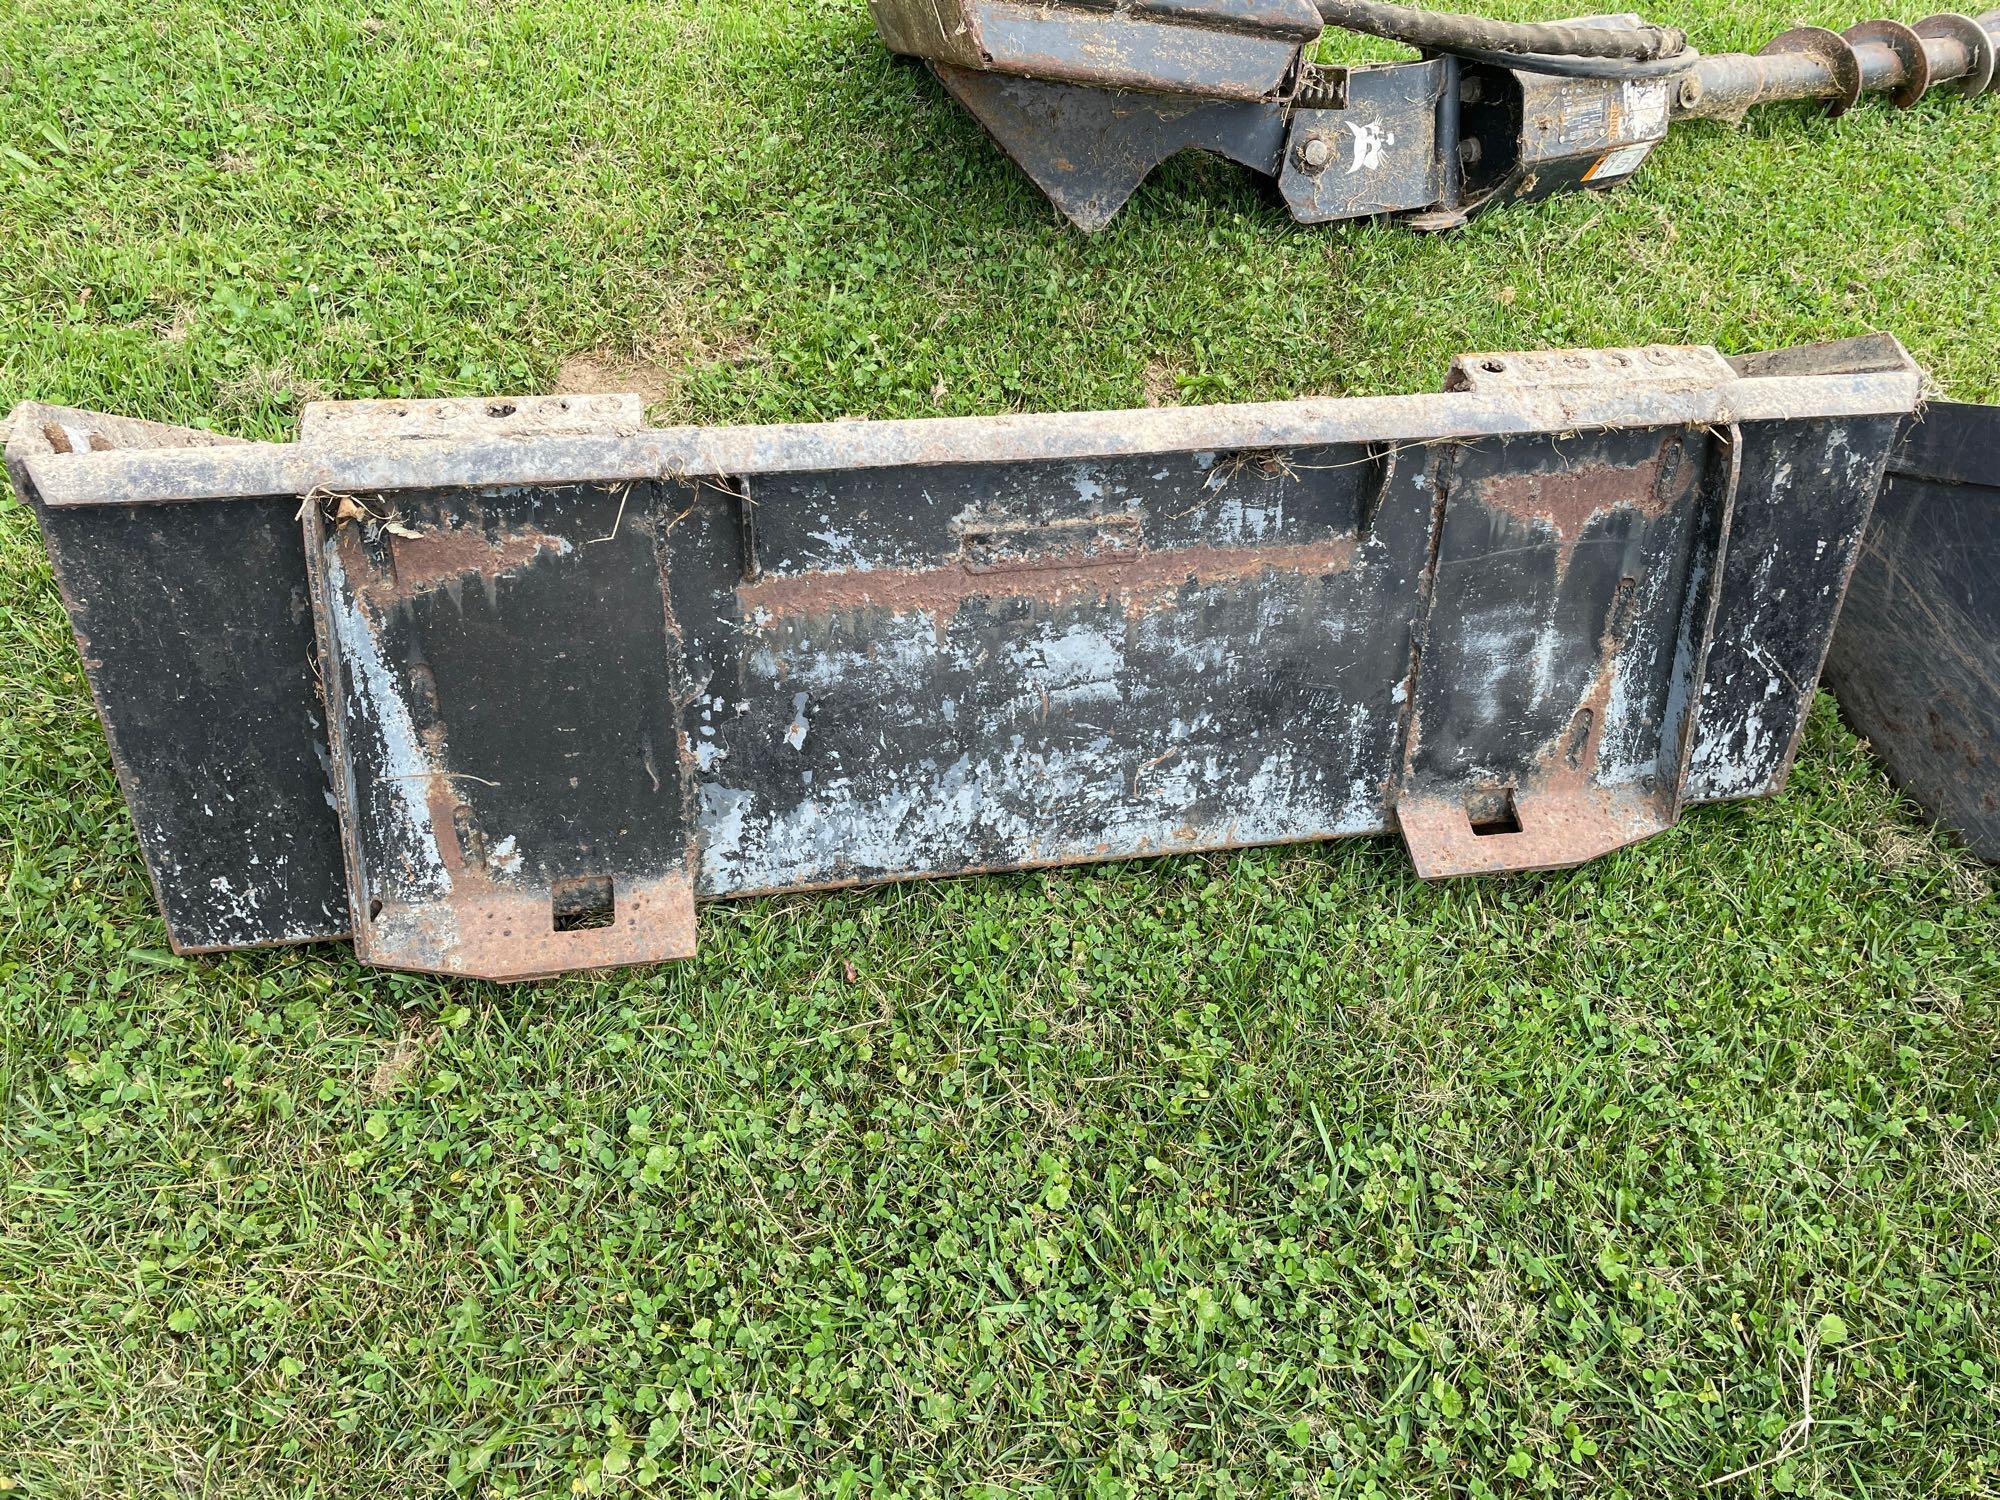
[[1584, 67], [1447, 31]]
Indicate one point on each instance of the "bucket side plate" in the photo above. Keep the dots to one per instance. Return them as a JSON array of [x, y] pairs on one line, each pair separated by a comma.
[[1916, 659]]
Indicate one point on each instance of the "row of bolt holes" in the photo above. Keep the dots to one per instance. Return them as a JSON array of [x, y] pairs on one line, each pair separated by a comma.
[[501, 409], [1581, 361], [494, 409]]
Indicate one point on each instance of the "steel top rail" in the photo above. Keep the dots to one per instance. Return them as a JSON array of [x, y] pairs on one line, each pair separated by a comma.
[[1511, 394]]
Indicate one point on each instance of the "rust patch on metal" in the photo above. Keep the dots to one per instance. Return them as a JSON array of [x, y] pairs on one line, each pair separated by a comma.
[[438, 559], [1566, 502], [1564, 816], [1557, 830], [487, 931], [489, 928], [1145, 580]]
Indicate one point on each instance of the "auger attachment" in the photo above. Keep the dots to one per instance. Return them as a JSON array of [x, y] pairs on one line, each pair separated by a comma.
[[1088, 99], [1876, 57]]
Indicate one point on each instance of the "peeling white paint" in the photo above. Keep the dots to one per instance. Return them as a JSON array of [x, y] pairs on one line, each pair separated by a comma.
[[1081, 665], [405, 771], [1022, 800]]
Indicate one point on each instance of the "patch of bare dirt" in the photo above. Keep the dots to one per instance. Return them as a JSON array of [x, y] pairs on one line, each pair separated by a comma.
[[1897, 850], [657, 371], [601, 372], [263, 382], [1160, 384]]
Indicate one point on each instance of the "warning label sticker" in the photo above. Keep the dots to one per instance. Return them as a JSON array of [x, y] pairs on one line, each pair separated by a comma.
[[1620, 163]]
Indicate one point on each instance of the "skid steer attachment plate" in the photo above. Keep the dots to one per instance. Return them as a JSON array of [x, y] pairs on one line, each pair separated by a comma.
[[1916, 661], [579, 672]]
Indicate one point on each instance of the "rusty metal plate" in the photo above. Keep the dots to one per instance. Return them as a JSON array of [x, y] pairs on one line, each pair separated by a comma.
[[1568, 627], [1089, 149], [502, 674], [1376, 153], [1229, 49], [1511, 620]]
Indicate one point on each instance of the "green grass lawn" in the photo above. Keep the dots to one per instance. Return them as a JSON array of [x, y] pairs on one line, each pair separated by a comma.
[[1276, 1173]]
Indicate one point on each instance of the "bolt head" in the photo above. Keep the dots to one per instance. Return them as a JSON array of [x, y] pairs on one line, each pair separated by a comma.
[[1315, 153]]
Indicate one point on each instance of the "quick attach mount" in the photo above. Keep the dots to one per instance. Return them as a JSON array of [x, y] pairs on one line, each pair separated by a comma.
[[501, 687], [1089, 97]]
